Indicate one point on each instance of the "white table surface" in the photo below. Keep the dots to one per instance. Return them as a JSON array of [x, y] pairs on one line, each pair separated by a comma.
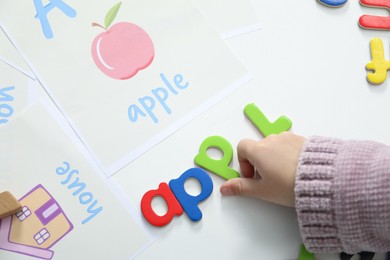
[[308, 63]]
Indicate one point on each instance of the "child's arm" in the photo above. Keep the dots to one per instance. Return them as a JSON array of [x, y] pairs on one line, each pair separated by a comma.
[[341, 189], [343, 195]]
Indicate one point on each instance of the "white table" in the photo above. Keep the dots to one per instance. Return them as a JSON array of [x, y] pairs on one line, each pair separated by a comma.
[[308, 63]]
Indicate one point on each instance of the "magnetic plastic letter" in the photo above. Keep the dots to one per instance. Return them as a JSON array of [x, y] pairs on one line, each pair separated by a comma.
[[174, 207], [187, 201], [304, 254], [262, 123], [333, 3], [373, 21], [219, 167], [378, 64]]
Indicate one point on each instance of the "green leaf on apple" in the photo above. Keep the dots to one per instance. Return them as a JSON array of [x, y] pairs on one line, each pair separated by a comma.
[[110, 16]]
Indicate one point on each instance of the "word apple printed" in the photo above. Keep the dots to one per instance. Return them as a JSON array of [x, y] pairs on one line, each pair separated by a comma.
[[123, 49], [119, 119]]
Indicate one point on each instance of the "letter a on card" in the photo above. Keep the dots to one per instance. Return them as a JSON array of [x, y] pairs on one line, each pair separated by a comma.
[[42, 12]]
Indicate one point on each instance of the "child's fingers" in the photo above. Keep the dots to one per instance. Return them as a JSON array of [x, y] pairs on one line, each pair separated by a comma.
[[246, 157], [243, 187]]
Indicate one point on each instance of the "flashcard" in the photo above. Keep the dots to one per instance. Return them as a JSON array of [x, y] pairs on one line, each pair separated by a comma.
[[10, 55], [70, 209], [220, 13], [17, 91], [126, 75], [18, 86]]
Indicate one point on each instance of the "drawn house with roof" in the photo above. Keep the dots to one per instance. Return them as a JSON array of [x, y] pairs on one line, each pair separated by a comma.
[[37, 227]]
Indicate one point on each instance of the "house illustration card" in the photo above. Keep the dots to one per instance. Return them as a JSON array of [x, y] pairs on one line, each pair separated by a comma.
[[125, 74], [70, 209], [33, 230]]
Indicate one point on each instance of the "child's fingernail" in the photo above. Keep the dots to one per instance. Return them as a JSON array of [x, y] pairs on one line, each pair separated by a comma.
[[226, 191]]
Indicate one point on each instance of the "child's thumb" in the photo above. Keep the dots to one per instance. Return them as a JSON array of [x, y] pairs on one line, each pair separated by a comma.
[[241, 187]]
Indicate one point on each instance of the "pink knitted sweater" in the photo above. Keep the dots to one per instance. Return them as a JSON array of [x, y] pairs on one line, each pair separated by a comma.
[[343, 195]]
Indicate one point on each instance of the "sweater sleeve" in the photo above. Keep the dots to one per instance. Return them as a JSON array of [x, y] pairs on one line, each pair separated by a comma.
[[343, 195]]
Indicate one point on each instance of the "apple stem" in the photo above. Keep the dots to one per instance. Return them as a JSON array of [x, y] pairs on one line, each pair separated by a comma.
[[98, 25]]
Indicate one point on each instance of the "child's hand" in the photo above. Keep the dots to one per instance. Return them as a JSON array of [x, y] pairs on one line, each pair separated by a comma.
[[275, 159]]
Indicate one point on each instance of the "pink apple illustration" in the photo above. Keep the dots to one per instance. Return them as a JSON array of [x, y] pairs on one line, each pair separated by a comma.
[[122, 49]]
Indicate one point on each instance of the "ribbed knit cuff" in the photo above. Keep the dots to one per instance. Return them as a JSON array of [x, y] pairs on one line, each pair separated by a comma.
[[314, 195]]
